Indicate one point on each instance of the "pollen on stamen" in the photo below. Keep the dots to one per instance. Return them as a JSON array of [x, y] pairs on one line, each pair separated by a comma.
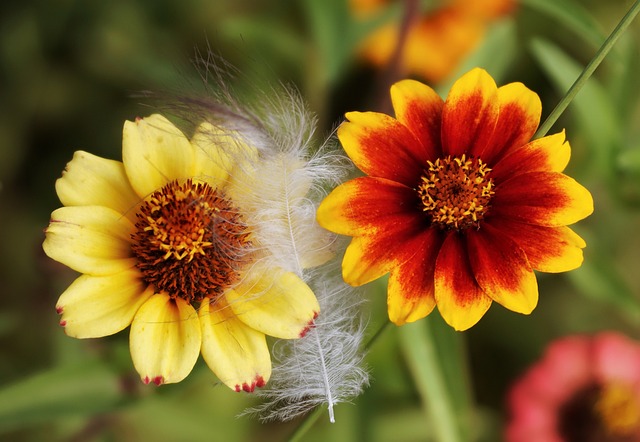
[[190, 241], [455, 192]]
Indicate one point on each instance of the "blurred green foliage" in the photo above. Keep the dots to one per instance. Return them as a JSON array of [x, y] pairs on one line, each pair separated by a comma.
[[68, 72]]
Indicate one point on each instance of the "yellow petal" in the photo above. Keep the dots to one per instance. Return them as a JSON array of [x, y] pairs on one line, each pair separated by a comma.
[[360, 266], [460, 300], [470, 114], [214, 151], [96, 306], [154, 153], [276, 303], [90, 239], [501, 268], [165, 339], [235, 352], [89, 180]]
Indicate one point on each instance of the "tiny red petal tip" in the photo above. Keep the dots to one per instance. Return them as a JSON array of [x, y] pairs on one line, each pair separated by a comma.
[[309, 326], [238, 388], [260, 381], [63, 323], [158, 380], [59, 310], [146, 380], [138, 119]]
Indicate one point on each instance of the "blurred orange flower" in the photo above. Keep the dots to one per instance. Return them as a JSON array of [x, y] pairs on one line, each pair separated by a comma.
[[437, 41], [583, 389]]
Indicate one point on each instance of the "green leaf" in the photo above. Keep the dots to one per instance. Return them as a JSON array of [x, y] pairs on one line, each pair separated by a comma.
[[70, 390], [571, 15]]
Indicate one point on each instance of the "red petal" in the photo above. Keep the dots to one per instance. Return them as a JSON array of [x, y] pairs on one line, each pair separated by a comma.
[[470, 113], [542, 198], [548, 154], [520, 110], [501, 268], [548, 249], [382, 147], [460, 299], [368, 205], [410, 295], [419, 108]]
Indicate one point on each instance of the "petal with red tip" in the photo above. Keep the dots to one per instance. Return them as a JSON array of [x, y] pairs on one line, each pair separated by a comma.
[[548, 154], [276, 303], [235, 352], [165, 339], [96, 306], [419, 108], [89, 180], [470, 113], [542, 198], [90, 239], [520, 110], [154, 153], [410, 295], [382, 147], [367, 205], [460, 299], [548, 249], [501, 268]]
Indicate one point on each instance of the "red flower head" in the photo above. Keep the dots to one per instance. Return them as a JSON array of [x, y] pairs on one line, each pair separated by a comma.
[[584, 389], [457, 204]]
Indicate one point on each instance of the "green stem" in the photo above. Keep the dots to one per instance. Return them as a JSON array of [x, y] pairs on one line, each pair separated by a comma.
[[418, 342], [589, 69]]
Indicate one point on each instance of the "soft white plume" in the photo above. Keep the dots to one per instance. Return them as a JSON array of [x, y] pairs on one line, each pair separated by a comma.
[[279, 191], [326, 366]]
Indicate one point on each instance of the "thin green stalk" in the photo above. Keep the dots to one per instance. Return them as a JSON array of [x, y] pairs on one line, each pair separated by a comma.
[[418, 342], [589, 69]]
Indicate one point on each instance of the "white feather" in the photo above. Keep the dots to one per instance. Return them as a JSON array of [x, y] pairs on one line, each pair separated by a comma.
[[279, 191]]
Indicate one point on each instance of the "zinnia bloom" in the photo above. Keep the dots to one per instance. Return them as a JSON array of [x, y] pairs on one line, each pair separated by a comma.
[[167, 241], [457, 204], [584, 389], [437, 41]]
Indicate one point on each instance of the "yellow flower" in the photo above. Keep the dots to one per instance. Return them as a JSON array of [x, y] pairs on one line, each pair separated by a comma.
[[166, 242], [437, 41], [457, 205]]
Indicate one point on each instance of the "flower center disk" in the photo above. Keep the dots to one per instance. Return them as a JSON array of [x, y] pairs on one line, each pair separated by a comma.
[[456, 191], [190, 241]]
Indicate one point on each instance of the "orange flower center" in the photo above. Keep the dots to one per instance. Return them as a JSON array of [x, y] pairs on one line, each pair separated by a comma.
[[456, 191], [619, 410], [190, 241]]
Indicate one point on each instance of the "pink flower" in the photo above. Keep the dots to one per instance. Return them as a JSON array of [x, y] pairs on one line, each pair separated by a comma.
[[585, 388]]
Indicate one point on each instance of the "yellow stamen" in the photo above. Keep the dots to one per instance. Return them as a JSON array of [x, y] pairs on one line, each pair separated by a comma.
[[456, 191]]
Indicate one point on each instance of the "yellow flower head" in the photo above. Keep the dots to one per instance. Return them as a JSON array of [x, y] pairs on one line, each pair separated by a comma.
[[183, 240], [458, 205]]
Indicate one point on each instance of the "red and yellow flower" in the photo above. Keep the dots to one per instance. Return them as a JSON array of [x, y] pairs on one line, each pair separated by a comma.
[[457, 205], [584, 389], [165, 243]]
